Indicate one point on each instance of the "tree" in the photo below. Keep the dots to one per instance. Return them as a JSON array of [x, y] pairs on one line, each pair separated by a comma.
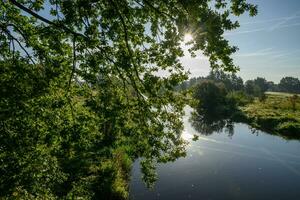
[[211, 97], [253, 89], [290, 84], [81, 97], [261, 83], [237, 83], [231, 81], [272, 86]]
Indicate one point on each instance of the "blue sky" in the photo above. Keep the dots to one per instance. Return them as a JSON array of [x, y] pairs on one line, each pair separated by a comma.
[[269, 43]]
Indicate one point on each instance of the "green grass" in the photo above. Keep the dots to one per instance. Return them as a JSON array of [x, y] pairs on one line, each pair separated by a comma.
[[275, 115]]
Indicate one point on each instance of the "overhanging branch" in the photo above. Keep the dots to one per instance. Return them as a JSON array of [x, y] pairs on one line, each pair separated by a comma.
[[60, 26]]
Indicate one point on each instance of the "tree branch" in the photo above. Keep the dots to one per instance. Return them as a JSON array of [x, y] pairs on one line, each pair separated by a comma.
[[74, 61], [128, 48], [157, 10], [19, 43], [60, 26]]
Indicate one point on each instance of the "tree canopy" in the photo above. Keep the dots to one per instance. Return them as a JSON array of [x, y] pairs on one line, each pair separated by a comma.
[[81, 94], [289, 84]]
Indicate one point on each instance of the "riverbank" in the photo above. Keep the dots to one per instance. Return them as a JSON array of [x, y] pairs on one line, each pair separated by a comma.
[[276, 115]]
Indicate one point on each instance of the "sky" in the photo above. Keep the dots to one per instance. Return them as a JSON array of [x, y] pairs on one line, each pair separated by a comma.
[[269, 43]]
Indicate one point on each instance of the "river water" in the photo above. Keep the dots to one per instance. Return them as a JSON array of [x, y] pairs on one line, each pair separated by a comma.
[[223, 165]]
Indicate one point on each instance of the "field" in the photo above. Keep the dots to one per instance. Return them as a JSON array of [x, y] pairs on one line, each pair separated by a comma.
[[282, 94], [278, 114]]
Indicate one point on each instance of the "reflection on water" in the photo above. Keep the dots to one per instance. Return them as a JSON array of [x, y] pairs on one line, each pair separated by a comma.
[[209, 124], [243, 166]]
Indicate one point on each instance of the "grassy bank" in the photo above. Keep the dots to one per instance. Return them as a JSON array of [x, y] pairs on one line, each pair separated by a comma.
[[276, 114]]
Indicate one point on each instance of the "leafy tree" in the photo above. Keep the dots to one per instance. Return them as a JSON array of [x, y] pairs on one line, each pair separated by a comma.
[[240, 97], [290, 84], [216, 108], [237, 82], [212, 98], [261, 83], [273, 87], [80, 94], [252, 89], [231, 81]]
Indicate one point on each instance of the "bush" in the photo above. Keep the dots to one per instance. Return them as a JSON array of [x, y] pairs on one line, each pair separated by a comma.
[[262, 97], [211, 97], [240, 98], [289, 128], [293, 100]]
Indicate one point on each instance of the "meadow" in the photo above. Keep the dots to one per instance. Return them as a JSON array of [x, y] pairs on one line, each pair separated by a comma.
[[278, 113]]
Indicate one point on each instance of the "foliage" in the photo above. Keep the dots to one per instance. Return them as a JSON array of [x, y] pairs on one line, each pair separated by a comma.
[[231, 81], [217, 108], [211, 97], [275, 115], [262, 97], [262, 84], [207, 124], [255, 88], [293, 100], [80, 94], [240, 98], [289, 84], [214, 100], [252, 89]]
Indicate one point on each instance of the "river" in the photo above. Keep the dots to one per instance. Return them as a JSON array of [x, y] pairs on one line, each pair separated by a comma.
[[227, 165]]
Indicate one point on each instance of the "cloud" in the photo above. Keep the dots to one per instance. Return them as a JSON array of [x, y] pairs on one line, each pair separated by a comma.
[[260, 52], [284, 54], [261, 29], [267, 20], [283, 23], [269, 53]]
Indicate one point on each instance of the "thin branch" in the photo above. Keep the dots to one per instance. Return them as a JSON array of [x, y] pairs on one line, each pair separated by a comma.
[[60, 26], [19, 43], [57, 13], [18, 30], [14, 49], [157, 10], [127, 44], [74, 61]]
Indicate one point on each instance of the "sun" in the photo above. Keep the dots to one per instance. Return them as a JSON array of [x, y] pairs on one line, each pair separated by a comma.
[[187, 37]]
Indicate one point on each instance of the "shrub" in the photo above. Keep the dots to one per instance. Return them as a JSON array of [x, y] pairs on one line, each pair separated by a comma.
[[211, 97], [240, 98]]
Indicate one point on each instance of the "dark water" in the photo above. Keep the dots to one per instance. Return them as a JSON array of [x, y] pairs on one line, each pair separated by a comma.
[[244, 165]]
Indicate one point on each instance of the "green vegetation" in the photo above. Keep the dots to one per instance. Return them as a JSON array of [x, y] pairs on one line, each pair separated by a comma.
[[215, 107], [213, 99], [80, 95], [278, 114], [289, 84], [219, 103]]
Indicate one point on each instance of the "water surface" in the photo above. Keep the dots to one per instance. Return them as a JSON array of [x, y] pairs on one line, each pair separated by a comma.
[[243, 165]]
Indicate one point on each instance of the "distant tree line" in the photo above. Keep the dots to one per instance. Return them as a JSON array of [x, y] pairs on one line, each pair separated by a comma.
[[255, 87], [219, 99], [220, 94]]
